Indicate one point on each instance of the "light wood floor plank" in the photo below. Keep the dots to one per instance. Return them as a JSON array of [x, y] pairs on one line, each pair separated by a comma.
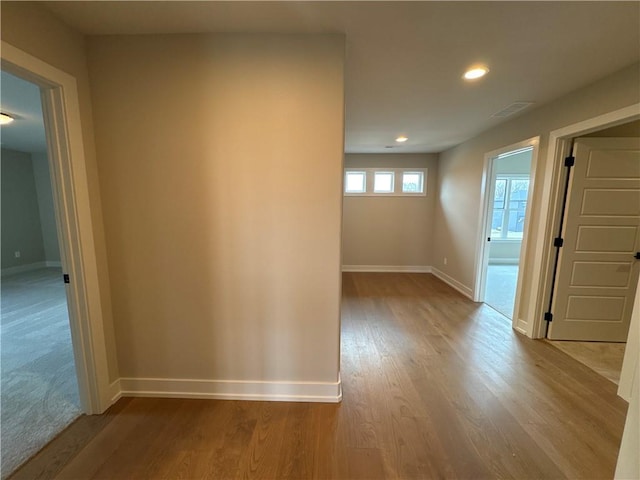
[[434, 386]]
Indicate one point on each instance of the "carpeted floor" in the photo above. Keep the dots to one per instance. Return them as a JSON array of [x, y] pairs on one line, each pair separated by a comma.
[[500, 290], [39, 395]]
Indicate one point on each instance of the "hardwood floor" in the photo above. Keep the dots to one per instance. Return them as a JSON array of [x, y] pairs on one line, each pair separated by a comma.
[[603, 357], [434, 386]]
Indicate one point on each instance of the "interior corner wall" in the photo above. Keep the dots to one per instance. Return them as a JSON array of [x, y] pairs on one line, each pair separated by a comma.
[[460, 169], [388, 232], [21, 229], [220, 161], [36, 31], [42, 179]]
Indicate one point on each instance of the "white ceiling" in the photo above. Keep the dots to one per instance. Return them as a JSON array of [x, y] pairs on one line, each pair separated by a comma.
[[405, 59], [21, 100]]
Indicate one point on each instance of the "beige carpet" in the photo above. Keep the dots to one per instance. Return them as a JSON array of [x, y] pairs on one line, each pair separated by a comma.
[[39, 391]]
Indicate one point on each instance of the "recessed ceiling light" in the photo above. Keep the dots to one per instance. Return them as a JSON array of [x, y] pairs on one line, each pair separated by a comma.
[[402, 139], [5, 119], [475, 72]]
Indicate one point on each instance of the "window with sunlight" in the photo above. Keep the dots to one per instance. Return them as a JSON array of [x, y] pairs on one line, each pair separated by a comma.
[[355, 182], [509, 206], [383, 182], [412, 182]]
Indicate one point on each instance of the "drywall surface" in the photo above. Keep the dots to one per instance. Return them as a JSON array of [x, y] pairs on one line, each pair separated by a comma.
[[37, 32], [45, 206], [220, 161], [460, 169], [390, 231], [630, 129], [21, 230]]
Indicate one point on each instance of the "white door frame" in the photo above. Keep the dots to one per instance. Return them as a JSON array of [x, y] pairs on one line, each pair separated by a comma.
[[484, 229], [551, 196], [61, 108]]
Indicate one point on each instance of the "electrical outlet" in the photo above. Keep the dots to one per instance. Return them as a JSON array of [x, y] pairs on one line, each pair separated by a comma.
[[17, 253], [445, 260]]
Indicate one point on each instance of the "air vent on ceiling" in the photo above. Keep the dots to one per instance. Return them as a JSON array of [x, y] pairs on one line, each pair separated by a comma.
[[511, 109]]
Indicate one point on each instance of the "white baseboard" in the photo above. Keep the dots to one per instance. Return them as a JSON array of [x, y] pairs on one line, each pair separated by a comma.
[[452, 282], [51, 264], [326, 392], [115, 392], [28, 267], [520, 326], [387, 268], [520, 330]]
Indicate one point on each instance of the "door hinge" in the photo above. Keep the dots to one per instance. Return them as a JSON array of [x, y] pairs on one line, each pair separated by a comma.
[[548, 317], [65, 277], [558, 242], [570, 161]]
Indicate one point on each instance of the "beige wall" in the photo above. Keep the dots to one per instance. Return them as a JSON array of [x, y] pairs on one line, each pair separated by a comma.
[[220, 162], [21, 225], [34, 30], [630, 129], [390, 231], [460, 168]]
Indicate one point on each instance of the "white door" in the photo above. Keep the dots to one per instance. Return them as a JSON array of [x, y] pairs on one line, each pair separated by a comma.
[[597, 270]]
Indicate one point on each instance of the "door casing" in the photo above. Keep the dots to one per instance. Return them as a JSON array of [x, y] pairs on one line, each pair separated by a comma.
[[61, 109], [541, 267], [484, 229]]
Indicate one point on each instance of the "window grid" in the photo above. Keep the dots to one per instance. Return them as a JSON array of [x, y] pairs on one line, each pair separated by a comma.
[[509, 207], [380, 182]]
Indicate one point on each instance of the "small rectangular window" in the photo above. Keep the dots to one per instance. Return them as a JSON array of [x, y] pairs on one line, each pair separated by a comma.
[[383, 182], [355, 182], [412, 182]]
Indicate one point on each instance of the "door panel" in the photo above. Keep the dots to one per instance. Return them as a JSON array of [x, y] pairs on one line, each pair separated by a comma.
[[611, 202], [600, 274], [607, 239], [597, 273], [602, 309]]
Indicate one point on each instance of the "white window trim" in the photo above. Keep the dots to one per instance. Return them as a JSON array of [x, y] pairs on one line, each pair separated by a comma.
[[393, 182], [359, 170], [523, 176], [397, 179]]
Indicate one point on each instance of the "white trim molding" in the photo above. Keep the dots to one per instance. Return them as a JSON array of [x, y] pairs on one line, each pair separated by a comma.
[[115, 391], [61, 109], [548, 207], [324, 392], [453, 283], [387, 268]]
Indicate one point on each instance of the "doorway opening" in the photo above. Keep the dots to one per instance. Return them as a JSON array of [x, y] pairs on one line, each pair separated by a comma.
[[597, 266], [40, 395], [507, 191]]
